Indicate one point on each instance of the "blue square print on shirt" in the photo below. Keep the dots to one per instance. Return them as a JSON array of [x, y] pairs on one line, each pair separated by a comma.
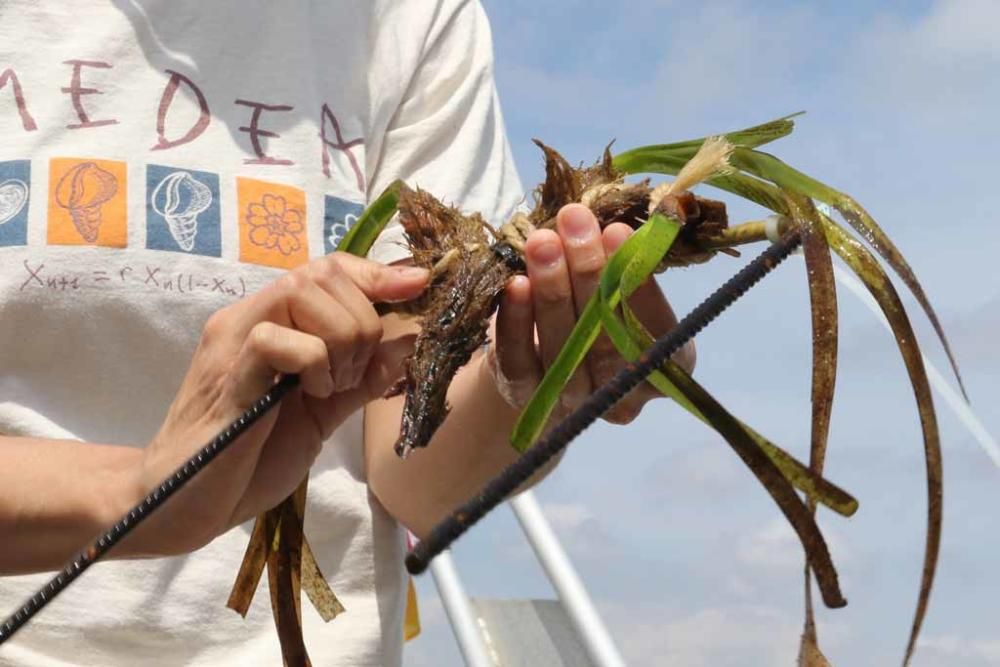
[[182, 211], [15, 190], [338, 218]]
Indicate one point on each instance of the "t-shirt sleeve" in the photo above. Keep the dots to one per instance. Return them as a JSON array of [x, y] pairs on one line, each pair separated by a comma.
[[447, 134]]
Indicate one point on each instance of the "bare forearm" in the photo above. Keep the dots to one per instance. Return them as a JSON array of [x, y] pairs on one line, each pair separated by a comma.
[[469, 449], [57, 495]]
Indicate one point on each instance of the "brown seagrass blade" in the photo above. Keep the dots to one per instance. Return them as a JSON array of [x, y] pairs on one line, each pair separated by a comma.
[[809, 653], [252, 567], [284, 567], [314, 583], [255, 559], [823, 302]]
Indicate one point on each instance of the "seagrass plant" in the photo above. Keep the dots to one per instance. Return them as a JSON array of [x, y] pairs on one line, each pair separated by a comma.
[[471, 263]]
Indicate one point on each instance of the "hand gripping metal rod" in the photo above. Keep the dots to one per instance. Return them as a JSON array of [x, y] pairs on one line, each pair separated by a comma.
[[462, 519], [144, 509]]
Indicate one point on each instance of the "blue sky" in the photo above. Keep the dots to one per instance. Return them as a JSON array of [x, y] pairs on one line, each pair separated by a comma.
[[687, 558]]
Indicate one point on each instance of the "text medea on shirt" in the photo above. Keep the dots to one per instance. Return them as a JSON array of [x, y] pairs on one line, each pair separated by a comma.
[[330, 133]]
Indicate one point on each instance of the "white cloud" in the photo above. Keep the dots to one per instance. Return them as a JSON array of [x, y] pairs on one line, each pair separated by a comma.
[[707, 468], [775, 546], [934, 69], [717, 636], [569, 516], [740, 587], [737, 51], [584, 535], [963, 28], [954, 647]]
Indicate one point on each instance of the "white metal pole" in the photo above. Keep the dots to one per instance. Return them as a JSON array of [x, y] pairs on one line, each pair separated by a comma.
[[574, 598], [944, 390], [459, 610]]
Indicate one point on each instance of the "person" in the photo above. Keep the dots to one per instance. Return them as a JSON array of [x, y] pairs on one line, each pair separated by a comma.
[[174, 178]]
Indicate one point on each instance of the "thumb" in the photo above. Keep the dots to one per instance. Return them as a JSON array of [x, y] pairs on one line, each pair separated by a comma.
[[384, 283]]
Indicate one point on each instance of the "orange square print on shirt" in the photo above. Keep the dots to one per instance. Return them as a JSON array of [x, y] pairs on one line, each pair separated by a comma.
[[87, 203], [272, 224]]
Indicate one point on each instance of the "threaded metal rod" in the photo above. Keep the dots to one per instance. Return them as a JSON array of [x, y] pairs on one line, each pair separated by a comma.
[[144, 509], [462, 519], [499, 489]]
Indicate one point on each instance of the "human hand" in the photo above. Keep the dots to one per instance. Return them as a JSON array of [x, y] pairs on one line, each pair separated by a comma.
[[538, 312], [317, 321]]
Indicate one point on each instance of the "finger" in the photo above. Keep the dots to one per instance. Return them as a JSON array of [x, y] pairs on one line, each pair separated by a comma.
[[614, 236], [586, 258], [336, 282], [381, 283], [555, 312], [513, 358], [229, 326], [650, 305], [314, 311], [271, 349], [384, 368], [631, 405]]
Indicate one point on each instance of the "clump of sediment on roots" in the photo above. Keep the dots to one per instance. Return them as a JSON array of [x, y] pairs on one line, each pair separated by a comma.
[[470, 268], [604, 191], [471, 264]]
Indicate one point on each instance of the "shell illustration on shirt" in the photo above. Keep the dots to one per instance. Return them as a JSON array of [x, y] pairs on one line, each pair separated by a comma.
[[180, 198], [82, 191], [274, 224], [13, 197]]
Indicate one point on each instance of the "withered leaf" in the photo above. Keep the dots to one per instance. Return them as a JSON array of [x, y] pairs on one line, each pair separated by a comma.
[[867, 268], [778, 487], [559, 188], [320, 594], [251, 569], [865, 225], [284, 580], [823, 299]]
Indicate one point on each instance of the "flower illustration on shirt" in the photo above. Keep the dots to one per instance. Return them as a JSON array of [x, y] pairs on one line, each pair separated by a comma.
[[274, 225], [338, 230]]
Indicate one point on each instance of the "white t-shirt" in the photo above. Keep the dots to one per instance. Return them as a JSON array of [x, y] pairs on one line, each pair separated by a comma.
[[160, 159]]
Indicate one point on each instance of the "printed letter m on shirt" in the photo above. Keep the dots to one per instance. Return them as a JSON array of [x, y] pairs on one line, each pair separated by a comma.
[[8, 75]]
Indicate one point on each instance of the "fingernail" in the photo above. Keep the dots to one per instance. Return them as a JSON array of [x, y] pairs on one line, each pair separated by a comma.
[[411, 273], [578, 222], [329, 386], [517, 290], [548, 253], [518, 283]]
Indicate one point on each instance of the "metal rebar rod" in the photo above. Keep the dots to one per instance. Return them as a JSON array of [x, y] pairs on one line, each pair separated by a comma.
[[144, 509], [507, 482]]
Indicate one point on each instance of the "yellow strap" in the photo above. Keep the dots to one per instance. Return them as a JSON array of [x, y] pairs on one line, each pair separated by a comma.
[[411, 624]]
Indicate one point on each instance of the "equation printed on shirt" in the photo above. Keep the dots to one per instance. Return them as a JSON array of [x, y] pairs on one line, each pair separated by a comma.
[[44, 275]]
